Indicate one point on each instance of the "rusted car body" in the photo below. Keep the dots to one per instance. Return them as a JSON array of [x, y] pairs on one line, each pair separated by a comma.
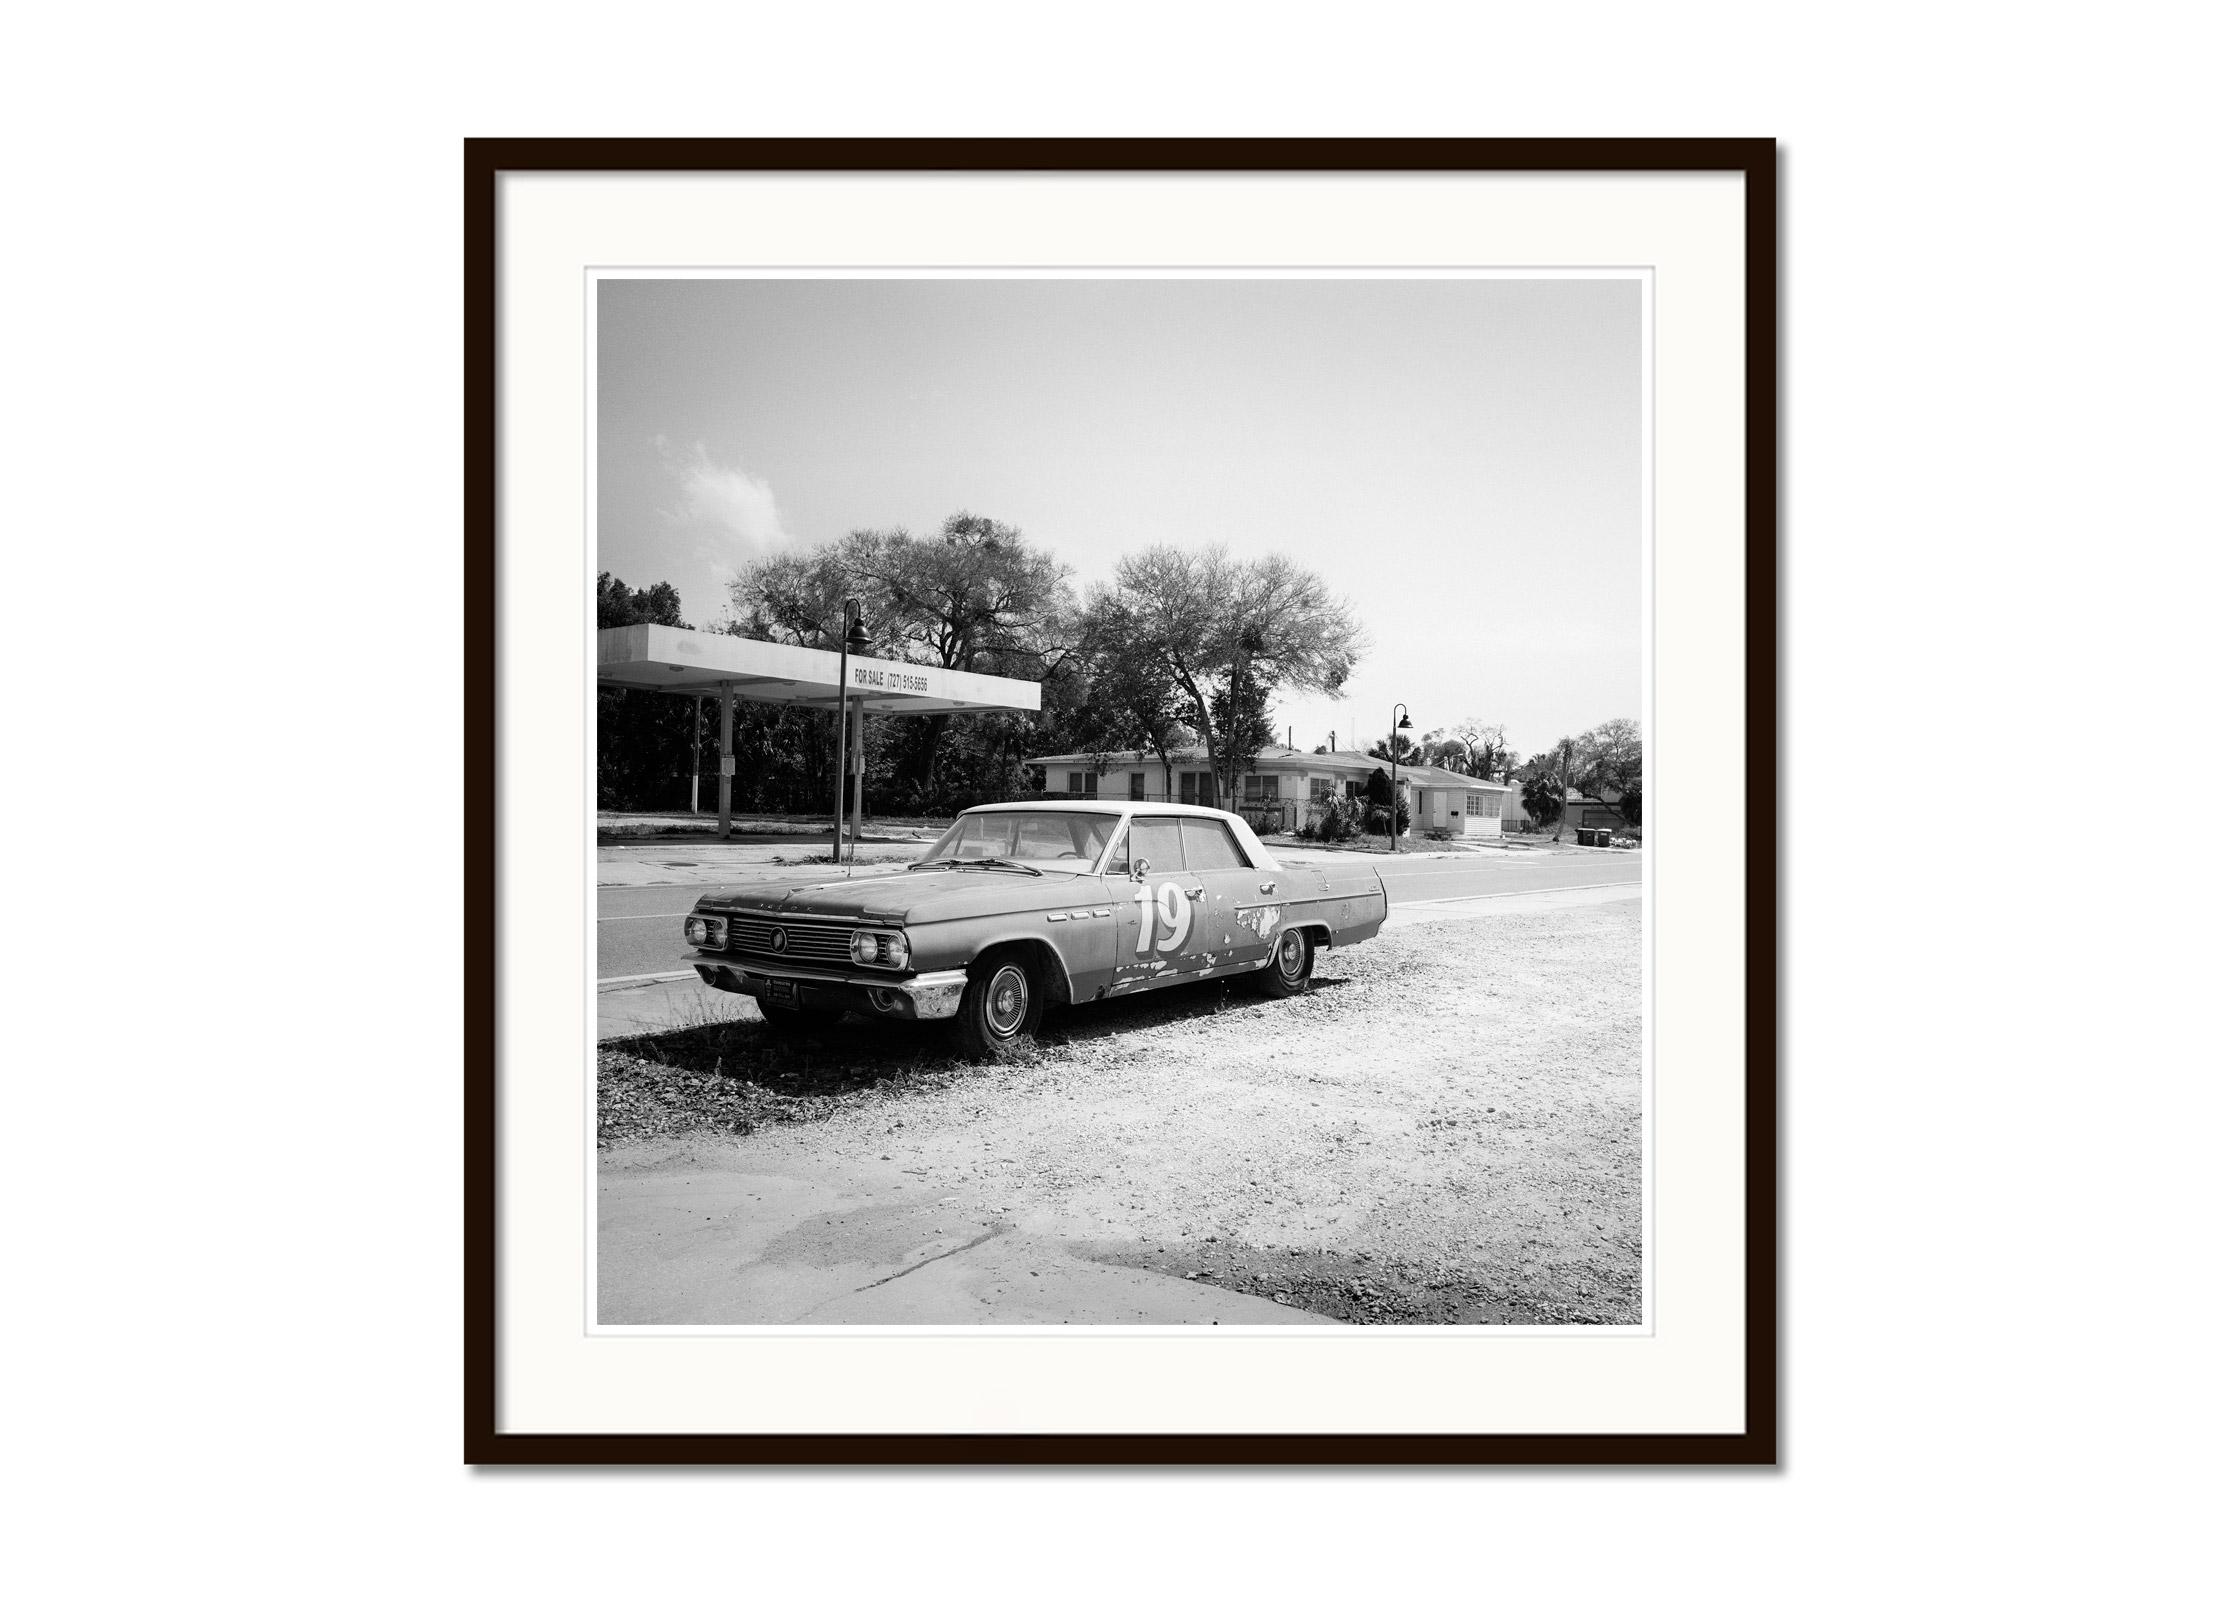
[[1019, 908]]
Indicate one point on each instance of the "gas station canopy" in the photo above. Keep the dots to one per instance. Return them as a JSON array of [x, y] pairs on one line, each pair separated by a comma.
[[680, 661]]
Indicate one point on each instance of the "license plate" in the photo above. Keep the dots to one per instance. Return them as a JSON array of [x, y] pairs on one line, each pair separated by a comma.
[[781, 991]]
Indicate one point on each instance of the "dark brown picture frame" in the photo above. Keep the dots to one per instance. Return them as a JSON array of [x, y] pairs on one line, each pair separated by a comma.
[[488, 162]]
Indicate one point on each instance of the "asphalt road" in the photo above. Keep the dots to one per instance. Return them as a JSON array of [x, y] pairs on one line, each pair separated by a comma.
[[641, 928]]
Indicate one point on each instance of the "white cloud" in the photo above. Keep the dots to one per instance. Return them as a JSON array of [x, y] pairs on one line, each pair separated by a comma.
[[734, 514]]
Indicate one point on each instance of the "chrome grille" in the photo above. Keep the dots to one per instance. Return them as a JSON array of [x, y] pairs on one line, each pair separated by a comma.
[[811, 941]]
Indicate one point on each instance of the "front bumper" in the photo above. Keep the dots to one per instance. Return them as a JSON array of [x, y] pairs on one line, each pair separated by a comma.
[[927, 997]]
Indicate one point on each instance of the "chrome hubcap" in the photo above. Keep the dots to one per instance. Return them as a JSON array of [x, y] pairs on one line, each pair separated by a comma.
[[1291, 954], [1007, 1001]]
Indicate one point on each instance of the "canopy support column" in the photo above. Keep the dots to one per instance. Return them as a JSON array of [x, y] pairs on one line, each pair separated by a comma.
[[724, 765], [699, 704], [855, 833]]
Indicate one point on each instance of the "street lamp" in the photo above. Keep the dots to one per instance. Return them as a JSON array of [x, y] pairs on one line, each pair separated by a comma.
[[1392, 749], [852, 638]]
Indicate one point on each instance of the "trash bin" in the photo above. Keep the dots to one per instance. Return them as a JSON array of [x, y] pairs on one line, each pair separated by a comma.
[[1602, 837]]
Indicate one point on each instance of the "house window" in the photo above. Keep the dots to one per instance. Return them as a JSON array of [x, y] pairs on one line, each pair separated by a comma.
[[1474, 805], [1355, 788], [1083, 784], [1197, 788], [1260, 786], [1320, 788], [1135, 786]]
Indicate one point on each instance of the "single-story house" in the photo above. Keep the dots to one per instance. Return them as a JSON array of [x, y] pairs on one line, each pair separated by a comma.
[[1278, 774], [1462, 805], [1284, 785], [1587, 811]]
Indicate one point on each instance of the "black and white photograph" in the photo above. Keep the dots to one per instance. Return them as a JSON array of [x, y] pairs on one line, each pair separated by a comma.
[[1123, 800], [1087, 802]]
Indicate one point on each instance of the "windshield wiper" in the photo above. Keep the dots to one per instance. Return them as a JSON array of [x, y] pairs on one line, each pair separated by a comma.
[[920, 866], [1004, 862]]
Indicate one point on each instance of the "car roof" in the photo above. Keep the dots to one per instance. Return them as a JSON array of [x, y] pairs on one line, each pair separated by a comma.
[[1105, 808]]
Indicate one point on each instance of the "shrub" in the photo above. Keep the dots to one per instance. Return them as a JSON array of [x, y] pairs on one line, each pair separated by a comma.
[[1341, 819], [1378, 820]]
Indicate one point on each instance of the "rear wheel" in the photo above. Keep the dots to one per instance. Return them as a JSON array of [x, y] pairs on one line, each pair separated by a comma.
[[1293, 965], [1002, 1002]]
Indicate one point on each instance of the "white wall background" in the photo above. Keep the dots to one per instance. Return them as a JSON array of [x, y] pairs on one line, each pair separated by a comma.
[[234, 429]]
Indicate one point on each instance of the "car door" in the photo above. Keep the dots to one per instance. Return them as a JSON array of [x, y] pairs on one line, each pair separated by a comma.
[[1241, 915], [1160, 924]]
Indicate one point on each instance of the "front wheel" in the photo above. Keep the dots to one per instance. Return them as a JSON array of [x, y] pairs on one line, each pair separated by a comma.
[[1002, 1003], [1293, 965]]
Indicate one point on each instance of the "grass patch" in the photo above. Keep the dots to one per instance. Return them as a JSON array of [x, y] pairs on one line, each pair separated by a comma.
[[730, 1078]]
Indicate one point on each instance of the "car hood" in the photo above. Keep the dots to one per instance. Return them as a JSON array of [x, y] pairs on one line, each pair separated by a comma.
[[915, 897]]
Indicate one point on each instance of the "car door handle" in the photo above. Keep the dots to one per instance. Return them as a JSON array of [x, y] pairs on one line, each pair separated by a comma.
[[1195, 894]]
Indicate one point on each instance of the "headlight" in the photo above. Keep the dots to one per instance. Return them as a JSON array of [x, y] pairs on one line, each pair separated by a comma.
[[875, 948], [707, 932]]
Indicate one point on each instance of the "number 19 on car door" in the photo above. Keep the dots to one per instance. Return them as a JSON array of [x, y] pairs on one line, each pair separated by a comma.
[[1164, 917], [1161, 921]]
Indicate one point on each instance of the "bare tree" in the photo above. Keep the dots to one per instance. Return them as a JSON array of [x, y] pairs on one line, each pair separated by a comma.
[[1485, 747]]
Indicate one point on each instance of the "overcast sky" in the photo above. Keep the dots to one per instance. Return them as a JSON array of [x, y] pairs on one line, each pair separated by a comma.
[[1460, 458]]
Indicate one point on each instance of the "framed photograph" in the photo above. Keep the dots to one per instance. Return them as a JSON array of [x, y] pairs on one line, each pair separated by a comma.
[[1122, 801]]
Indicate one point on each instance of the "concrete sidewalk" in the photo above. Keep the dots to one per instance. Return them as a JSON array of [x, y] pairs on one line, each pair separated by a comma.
[[663, 1002], [710, 1237]]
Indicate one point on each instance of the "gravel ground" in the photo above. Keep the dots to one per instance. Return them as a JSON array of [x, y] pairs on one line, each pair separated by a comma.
[[1447, 1129]]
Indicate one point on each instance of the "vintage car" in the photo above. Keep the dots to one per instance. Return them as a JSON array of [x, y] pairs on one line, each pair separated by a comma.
[[1021, 908]]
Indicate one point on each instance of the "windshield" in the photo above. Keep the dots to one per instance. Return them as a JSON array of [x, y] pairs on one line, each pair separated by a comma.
[[1055, 841]]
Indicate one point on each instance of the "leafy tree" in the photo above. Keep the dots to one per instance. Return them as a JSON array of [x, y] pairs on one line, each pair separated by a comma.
[[797, 596], [644, 739], [1602, 763], [1543, 799], [620, 606], [1547, 785], [975, 597], [1131, 702], [1607, 761], [1212, 622], [1241, 726]]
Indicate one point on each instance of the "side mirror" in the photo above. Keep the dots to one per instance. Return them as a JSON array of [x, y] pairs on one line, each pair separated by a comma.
[[1139, 870]]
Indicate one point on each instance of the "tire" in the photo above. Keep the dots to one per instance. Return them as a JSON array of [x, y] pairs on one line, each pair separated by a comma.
[[1293, 965], [1001, 1004]]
